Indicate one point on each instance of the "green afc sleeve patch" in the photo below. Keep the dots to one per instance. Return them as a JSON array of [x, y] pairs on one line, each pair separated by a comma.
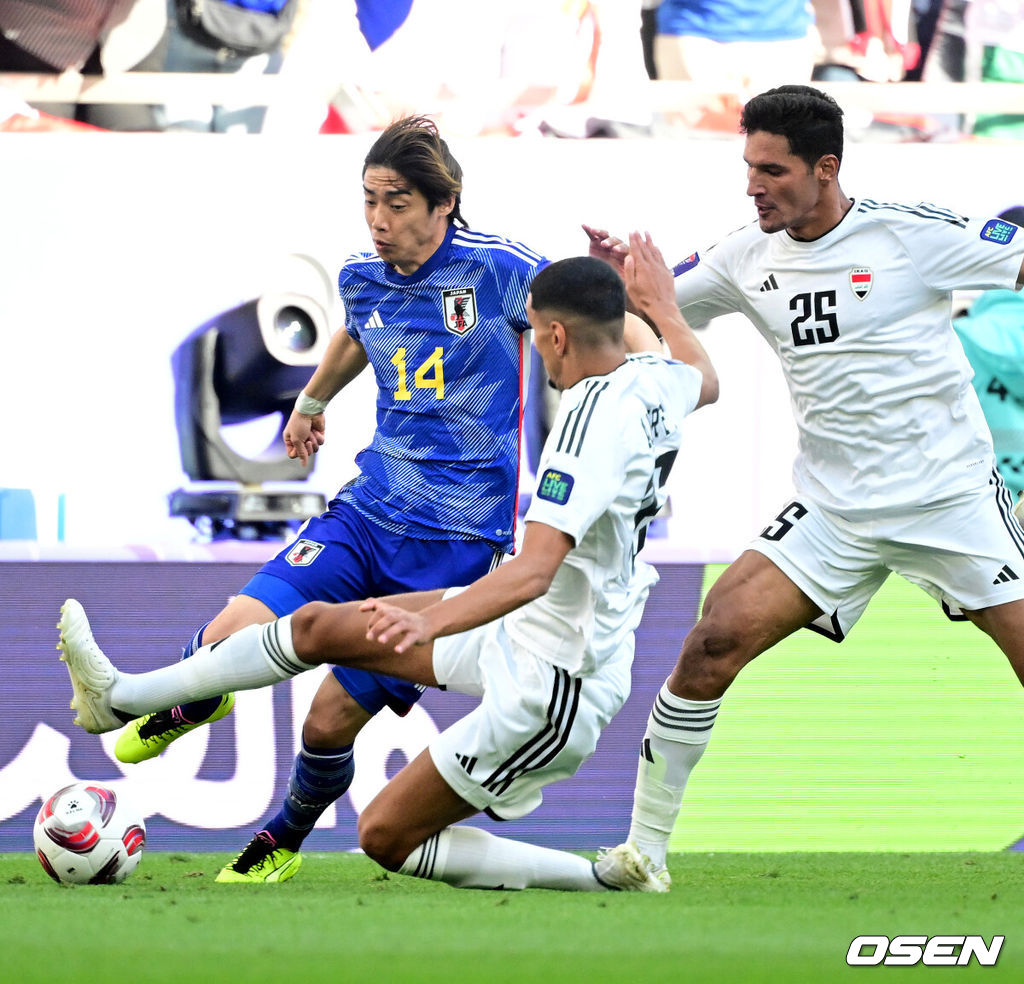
[[555, 486]]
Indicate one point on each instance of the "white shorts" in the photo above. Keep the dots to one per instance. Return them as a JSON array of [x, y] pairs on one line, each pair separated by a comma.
[[966, 552], [536, 723]]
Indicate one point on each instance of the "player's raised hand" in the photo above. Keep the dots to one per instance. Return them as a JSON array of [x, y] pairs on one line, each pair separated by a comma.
[[392, 625], [604, 246], [648, 279], [304, 436]]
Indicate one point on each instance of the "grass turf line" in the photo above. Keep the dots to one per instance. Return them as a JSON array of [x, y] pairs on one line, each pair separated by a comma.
[[729, 918]]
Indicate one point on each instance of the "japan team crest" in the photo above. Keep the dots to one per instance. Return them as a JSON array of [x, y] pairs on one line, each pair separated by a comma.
[[303, 553], [861, 279], [459, 310]]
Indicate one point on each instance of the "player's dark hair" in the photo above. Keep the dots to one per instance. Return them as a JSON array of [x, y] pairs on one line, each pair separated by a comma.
[[585, 289], [413, 147], [809, 119], [1014, 214]]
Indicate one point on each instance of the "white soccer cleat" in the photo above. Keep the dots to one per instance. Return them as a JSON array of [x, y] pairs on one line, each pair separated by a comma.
[[660, 873], [92, 674], [626, 869]]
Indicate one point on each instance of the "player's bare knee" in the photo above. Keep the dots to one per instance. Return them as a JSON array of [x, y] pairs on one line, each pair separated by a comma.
[[307, 626], [709, 662], [381, 841], [333, 725], [323, 730], [241, 611]]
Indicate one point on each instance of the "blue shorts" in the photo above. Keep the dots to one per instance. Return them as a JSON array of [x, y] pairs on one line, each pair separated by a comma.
[[342, 556]]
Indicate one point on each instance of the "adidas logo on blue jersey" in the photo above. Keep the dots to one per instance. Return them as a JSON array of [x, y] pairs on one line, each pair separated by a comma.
[[375, 320]]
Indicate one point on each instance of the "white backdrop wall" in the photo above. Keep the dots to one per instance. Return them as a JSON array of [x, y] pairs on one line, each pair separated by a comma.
[[114, 247]]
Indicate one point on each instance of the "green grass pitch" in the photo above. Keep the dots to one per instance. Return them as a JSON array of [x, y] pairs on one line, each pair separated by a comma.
[[729, 918], [908, 736], [863, 789]]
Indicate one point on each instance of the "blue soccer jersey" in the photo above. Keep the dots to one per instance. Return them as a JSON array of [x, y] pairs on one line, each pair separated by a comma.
[[448, 351]]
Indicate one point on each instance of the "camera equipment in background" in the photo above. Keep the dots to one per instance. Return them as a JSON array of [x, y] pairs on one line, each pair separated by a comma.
[[247, 363]]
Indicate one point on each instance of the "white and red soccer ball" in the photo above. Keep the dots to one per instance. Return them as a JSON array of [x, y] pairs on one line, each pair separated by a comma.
[[85, 834]]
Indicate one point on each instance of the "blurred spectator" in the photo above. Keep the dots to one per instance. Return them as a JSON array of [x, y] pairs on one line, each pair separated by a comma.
[[223, 36], [14, 111], [882, 39], [328, 73], [734, 48], [748, 45], [600, 88], [355, 65], [992, 334], [92, 37], [925, 15], [946, 60], [17, 116], [873, 40], [979, 41], [563, 67], [995, 40], [648, 32]]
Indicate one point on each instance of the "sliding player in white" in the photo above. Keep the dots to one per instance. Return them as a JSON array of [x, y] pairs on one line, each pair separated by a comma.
[[546, 640], [895, 470]]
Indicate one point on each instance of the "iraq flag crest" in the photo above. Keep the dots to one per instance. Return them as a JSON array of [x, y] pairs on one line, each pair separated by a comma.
[[861, 279]]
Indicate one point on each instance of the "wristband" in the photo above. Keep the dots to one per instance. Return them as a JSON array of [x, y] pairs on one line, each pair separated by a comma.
[[309, 407]]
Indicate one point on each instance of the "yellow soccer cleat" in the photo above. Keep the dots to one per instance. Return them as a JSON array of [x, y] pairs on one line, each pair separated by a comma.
[[146, 737], [262, 861]]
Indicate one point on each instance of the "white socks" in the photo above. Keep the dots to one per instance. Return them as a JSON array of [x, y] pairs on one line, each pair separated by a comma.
[[256, 656], [468, 857], [677, 734]]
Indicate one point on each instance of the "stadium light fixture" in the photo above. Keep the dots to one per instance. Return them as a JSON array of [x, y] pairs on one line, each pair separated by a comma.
[[247, 363]]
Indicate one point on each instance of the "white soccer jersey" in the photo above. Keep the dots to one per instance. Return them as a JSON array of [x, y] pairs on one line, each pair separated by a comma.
[[601, 476], [860, 319]]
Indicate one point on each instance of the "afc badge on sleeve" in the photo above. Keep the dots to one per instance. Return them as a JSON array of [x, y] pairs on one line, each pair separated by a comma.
[[303, 553], [998, 231], [459, 310], [555, 486]]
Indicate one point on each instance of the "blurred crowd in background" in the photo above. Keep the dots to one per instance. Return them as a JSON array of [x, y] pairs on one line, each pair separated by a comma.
[[571, 68]]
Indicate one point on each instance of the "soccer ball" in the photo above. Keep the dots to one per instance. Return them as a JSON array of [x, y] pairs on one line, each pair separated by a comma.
[[85, 834]]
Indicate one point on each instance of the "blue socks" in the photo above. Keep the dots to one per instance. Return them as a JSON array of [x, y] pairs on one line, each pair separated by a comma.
[[319, 776], [197, 710]]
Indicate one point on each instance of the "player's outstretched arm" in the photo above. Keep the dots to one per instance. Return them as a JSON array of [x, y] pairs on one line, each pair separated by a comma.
[[639, 337], [305, 431], [527, 576], [604, 246], [651, 288]]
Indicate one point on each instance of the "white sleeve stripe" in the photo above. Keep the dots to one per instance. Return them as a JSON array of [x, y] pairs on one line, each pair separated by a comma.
[[477, 240], [922, 210], [568, 438]]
